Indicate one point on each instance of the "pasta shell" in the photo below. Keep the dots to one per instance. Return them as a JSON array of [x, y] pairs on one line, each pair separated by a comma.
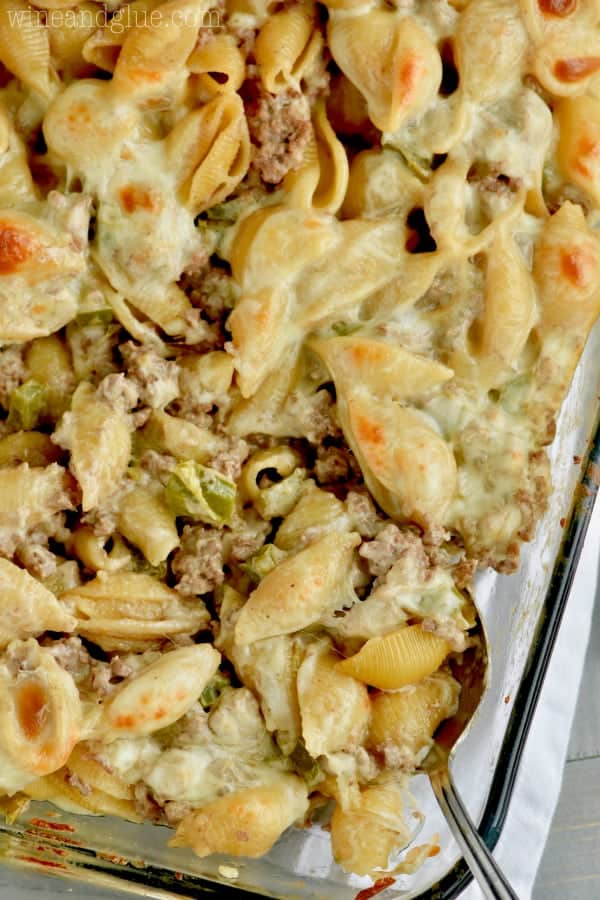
[[282, 45], [566, 269], [222, 58], [283, 459], [509, 304], [364, 836], [31, 248], [40, 713], [406, 720], [264, 410], [408, 467], [57, 789], [99, 438], [168, 307], [103, 47], [245, 823], [146, 521], [180, 438], [316, 513], [322, 179], [256, 324], [363, 256], [32, 447], [132, 610], [68, 37], [27, 608], [567, 64], [30, 497], [160, 694], [269, 667], [490, 47], [380, 182], [83, 116], [210, 148], [155, 51], [297, 592], [397, 659], [24, 47], [392, 62], [579, 123], [92, 773], [91, 551], [386, 369], [334, 707]]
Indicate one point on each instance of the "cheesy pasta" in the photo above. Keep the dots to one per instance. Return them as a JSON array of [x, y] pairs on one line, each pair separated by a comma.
[[290, 297]]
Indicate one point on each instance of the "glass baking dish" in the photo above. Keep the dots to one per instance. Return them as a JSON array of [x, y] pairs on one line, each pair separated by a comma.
[[522, 613]]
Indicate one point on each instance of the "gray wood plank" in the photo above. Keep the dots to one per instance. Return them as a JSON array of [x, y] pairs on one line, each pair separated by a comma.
[[571, 863]]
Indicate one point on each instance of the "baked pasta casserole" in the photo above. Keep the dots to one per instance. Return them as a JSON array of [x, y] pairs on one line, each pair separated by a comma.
[[290, 296]]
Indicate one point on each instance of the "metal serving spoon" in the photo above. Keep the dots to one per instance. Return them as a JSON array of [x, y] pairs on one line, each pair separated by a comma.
[[473, 676]]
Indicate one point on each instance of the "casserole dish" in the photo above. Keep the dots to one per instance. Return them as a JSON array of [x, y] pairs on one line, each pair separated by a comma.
[[522, 614]]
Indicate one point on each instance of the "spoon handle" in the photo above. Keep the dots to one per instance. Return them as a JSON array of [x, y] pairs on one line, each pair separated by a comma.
[[479, 859]]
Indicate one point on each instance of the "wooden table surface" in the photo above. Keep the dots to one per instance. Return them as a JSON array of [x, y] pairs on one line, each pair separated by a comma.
[[570, 868]]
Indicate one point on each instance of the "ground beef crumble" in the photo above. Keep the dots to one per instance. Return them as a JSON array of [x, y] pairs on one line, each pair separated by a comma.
[[119, 392], [245, 541], [103, 519], [335, 464], [492, 178], [361, 510], [156, 379], [315, 415], [157, 464], [390, 545], [145, 804], [230, 459], [211, 290], [37, 559], [463, 572], [12, 372], [198, 564], [72, 656], [106, 676], [280, 130], [448, 631]]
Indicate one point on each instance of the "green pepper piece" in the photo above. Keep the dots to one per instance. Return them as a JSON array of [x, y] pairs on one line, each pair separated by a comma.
[[228, 212], [263, 562], [140, 564], [27, 404], [102, 316], [199, 492], [344, 328], [213, 690], [307, 767]]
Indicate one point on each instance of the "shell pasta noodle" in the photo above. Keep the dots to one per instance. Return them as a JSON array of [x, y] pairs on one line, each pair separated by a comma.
[[291, 295]]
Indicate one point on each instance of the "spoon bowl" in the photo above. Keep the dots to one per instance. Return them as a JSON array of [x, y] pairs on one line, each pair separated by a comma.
[[473, 673]]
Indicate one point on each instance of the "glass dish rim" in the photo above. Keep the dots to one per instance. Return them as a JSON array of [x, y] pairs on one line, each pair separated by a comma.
[[171, 884]]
